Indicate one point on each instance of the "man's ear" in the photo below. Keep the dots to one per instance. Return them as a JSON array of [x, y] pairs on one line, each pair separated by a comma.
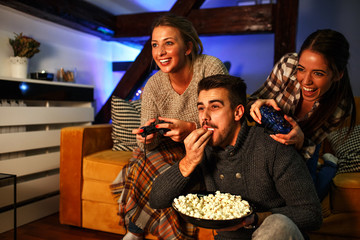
[[239, 112]]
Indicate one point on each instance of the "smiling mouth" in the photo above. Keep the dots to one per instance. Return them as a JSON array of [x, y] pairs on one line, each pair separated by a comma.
[[164, 60], [309, 89]]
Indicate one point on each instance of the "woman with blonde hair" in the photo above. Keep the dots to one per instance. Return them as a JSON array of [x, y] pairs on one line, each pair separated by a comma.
[[170, 95]]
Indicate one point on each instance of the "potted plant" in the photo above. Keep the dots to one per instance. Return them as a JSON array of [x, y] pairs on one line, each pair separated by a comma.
[[24, 47]]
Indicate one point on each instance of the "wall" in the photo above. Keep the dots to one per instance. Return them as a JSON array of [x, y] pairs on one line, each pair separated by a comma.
[[67, 48], [251, 56], [339, 15]]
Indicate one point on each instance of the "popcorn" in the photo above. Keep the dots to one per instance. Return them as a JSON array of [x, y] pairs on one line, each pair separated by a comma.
[[221, 206]]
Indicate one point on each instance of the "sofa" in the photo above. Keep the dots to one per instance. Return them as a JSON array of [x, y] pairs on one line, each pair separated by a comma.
[[89, 162], [341, 207]]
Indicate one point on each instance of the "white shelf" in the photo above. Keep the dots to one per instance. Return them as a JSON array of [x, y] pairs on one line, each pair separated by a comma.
[[45, 82], [30, 125]]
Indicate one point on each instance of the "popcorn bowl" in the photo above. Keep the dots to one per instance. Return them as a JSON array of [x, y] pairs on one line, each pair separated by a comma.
[[211, 223]]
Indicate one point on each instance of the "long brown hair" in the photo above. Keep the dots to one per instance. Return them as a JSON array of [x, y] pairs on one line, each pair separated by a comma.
[[187, 31], [335, 49]]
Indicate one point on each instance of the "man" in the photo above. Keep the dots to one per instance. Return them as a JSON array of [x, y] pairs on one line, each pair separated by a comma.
[[235, 158]]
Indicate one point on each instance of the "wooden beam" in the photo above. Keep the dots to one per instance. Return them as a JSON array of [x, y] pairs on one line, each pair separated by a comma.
[[233, 20], [285, 23], [137, 72], [228, 20], [125, 24], [74, 14]]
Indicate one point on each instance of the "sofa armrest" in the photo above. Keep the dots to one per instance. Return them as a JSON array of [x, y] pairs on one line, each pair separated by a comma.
[[75, 143], [345, 193]]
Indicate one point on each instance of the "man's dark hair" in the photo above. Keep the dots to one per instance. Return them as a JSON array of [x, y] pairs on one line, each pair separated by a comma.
[[235, 85]]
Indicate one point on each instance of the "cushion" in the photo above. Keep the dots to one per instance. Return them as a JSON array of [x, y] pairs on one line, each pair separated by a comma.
[[105, 165], [347, 150], [125, 116]]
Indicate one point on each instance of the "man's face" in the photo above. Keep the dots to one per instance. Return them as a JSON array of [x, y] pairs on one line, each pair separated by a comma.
[[215, 112]]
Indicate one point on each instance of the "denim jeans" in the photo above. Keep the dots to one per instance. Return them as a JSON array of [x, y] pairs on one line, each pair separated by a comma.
[[279, 227], [322, 177], [274, 227]]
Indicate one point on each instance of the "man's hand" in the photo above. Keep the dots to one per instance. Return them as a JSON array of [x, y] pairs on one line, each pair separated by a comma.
[[246, 222], [194, 144]]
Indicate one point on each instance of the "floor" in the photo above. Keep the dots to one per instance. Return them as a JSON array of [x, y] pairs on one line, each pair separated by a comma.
[[49, 228]]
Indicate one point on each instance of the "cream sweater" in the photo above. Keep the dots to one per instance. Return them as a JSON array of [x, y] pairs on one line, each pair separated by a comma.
[[160, 99]]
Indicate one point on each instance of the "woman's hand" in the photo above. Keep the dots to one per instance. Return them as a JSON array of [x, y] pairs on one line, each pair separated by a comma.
[[255, 108], [295, 136], [179, 129], [138, 132]]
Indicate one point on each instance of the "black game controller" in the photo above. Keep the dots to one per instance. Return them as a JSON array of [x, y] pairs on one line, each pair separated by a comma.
[[152, 129], [273, 121]]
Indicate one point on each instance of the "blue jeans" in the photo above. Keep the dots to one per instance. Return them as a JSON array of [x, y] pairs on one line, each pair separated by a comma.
[[279, 227], [274, 227], [322, 177]]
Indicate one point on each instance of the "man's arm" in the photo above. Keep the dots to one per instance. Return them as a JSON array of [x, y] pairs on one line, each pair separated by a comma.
[[167, 186], [295, 185], [173, 182]]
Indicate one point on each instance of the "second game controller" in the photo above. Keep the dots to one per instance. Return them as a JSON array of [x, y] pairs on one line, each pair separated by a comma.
[[152, 129], [274, 121]]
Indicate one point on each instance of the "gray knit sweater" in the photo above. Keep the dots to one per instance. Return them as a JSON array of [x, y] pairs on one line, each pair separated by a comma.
[[271, 176], [160, 99]]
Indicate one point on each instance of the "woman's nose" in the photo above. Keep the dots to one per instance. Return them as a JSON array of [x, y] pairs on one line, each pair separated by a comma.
[[162, 51], [307, 79]]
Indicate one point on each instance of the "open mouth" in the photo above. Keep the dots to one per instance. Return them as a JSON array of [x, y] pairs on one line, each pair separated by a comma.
[[164, 61], [209, 128], [309, 92], [309, 89]]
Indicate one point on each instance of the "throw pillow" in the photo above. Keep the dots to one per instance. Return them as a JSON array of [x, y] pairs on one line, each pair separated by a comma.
[[125, 116], [347, 150]]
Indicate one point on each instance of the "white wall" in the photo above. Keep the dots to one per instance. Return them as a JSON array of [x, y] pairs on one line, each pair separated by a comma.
[[67, 48]]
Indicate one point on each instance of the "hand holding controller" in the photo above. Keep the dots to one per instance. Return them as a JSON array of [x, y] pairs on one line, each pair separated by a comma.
[[274, 121], [152, 129]]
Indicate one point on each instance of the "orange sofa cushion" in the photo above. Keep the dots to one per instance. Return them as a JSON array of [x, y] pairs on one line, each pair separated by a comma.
[[345, 193], [105, 165]]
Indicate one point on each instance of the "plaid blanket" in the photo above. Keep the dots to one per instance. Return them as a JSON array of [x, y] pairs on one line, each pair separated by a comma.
[[132, 189]]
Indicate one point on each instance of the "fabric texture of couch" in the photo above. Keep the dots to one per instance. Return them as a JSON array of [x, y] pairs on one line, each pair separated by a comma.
[[88, 165]]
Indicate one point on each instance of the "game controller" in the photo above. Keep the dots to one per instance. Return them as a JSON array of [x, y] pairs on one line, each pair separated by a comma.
[[152, 129], [273, 121]]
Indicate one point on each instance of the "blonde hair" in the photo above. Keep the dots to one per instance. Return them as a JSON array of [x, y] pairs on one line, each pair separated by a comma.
[[186, 29]]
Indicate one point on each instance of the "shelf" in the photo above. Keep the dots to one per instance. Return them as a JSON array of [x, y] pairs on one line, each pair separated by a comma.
[[28, 89], [32, 115]]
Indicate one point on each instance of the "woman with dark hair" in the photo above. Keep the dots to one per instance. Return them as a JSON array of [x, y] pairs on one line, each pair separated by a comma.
[[169, 95], [313, 89]]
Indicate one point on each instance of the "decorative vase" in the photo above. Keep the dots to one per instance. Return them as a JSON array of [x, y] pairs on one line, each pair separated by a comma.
[[18, 67]]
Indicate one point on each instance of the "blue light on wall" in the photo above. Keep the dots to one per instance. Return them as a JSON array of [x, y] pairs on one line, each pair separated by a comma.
[[106, 31], [23, 87]]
